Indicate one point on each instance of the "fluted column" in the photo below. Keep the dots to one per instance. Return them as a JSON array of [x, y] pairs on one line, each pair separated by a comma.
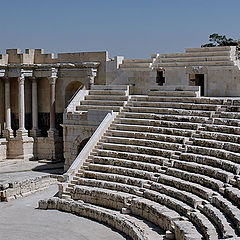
[[35, 132], [52, 129], [7, 132], [21, 107]]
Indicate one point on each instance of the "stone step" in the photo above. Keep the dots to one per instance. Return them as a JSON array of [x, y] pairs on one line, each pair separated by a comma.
[[233, 194], [209, 171], [196, 59], [87, 107], [102, 197], [158, 123], [200, 179], [152, 129], [144, 60], [183, 209], [185, 230], [232, 211], [196, 100], [219, 219], [107, 97], [184, 196], [209, 49], [226, 165], [175, 105], [109, 185], [202, 63], [149, 136], [196, 54], [226, 137], [172, 203], [143, 142], [133, 156], [127, 163], [206, 226], [160, 215], [231, 115], [173, 93], [137, 182], [171, 117], [232, 147], [187, 186], [66, 195], [108, 92], [172, 111], [227, 121], [103, 102], [122, 171], [219, 153], [222, 129], [110, 87], [138, 149], [135, 65]]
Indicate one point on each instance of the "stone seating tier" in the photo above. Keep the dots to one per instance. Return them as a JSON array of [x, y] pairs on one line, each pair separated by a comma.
[[174, 163]]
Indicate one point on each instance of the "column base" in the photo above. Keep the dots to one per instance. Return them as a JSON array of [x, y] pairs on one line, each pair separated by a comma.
[[52, 133], [35, 133], [8, 133], [20, 148], [21, 133]]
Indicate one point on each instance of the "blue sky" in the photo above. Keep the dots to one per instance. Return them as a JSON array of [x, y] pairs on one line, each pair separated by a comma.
[[132, 28]]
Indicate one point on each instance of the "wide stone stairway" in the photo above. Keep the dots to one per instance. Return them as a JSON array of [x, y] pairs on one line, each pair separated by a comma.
[[167, 168]]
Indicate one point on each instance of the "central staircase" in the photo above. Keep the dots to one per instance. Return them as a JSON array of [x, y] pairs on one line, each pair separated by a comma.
[[170, 159]]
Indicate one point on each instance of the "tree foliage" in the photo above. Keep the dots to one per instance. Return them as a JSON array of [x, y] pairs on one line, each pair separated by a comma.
[[220, 40]]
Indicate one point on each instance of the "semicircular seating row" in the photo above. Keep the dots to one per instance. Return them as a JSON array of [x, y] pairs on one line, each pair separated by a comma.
[[171, 160]]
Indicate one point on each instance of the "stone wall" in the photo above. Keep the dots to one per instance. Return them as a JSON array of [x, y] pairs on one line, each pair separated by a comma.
[[3, 149]]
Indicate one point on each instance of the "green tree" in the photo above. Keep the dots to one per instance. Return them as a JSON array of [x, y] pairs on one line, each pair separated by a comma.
[[220, 40]]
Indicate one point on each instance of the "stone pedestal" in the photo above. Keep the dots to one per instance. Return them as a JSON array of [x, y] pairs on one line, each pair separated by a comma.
[[8, 133], [20, 133], [3, 149], [50, 148], [20, 148], [35, 133]]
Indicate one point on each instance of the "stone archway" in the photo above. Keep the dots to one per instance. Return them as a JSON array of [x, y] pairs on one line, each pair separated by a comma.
[[71, 89]]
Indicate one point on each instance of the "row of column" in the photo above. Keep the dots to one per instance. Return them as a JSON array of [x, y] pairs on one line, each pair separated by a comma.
[[21, 132]]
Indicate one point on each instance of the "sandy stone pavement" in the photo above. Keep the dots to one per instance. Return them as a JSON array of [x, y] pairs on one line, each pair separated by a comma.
[[20, 219]]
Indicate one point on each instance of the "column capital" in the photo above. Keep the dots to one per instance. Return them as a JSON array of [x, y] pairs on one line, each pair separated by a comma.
[[91, 72], [52, 80], [21, 79]]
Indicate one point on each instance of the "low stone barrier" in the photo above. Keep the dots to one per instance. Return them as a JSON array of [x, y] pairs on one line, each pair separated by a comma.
[[13, 190]]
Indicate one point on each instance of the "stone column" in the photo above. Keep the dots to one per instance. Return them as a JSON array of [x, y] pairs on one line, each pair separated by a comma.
[[21, 132], [52, 131], [35, 132], [7, 132], [91, 76]]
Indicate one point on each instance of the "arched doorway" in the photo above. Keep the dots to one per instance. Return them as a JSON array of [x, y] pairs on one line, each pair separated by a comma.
[[71, 89]]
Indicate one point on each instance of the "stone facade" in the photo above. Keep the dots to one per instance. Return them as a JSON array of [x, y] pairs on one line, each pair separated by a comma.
[[39, 92], [35, 88]]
